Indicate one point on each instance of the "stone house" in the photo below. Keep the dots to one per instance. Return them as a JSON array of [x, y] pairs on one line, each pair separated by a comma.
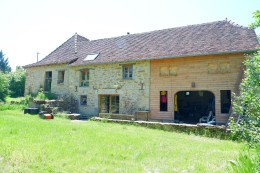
[[178, 73]]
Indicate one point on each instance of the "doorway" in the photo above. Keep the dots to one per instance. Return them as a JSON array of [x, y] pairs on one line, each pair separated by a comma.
[[190, 106], [109, 104], [47, 81]]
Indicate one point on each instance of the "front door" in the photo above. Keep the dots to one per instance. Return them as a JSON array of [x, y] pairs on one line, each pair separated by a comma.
[[47, 81]]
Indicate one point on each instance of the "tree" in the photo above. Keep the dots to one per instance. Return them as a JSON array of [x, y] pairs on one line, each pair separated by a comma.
[[247, 103], [256, 23], [4, 64], [17, 82], [3, 86]]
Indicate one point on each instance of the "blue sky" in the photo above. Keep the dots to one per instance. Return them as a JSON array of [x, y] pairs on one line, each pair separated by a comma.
[[31, 26]]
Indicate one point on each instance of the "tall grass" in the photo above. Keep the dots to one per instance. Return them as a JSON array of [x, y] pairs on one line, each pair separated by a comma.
[[29, 144], [247, 162], [13, 104]]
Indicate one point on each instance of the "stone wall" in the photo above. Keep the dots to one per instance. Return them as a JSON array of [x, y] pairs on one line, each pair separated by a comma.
[[35, 77], [104, 79]]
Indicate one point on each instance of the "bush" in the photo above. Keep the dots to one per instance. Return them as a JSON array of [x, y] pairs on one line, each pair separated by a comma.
[[17, 83], [247, 103], [41, 95], [3, 86]]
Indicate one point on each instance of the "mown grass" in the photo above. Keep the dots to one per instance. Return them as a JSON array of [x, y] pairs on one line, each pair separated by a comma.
[[29, 144]]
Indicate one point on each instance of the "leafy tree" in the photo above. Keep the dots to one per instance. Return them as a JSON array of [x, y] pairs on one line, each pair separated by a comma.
[[256, 16], [17, 82], [256, 23], [247, 103], [3, 86], [4, 64]]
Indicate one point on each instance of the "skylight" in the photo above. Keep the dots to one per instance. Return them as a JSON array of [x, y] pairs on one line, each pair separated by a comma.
[[90, 57]]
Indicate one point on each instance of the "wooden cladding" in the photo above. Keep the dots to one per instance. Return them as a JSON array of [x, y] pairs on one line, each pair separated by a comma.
[[168, 71], [223, 67]]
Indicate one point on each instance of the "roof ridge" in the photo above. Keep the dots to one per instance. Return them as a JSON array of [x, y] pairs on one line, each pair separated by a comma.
[[71, 38], [178, 27], [235, 24]]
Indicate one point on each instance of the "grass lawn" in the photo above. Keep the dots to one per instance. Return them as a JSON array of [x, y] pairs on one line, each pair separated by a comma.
[[29, 144]]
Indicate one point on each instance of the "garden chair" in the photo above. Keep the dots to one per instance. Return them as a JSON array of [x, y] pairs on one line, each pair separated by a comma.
[[207, 119]]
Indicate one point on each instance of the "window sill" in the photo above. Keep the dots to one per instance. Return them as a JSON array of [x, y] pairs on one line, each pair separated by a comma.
[[127, 79]]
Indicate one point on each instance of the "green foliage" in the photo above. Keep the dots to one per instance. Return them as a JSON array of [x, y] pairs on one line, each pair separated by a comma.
[[13, 104], [218, 132], [62, 115], [246, 162], [4, 107], [17, 82], [256, 16], [247, 103], [41, 95], [3, 86], [4, 64]]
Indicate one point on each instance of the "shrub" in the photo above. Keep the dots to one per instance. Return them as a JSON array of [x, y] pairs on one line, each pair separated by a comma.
[[247, 103], [3, 86], [44, 96], [17, 82]]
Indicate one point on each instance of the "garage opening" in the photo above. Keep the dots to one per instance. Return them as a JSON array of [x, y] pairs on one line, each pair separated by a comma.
[[190, 106]]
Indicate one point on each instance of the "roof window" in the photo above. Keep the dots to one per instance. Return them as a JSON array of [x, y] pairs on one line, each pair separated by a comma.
[[90, 57]]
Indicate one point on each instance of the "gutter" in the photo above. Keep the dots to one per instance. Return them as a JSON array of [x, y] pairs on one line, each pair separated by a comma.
[[168, 57], [149, 58]]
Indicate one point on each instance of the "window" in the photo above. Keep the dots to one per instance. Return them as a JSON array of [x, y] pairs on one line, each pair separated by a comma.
[[61, 75], [84, 78], [225, 96], [223, 67], [163, 101], [48, 80], [109, 104], [168, 71], [90, 57], [83, 100], [164, 71], [127, 71]]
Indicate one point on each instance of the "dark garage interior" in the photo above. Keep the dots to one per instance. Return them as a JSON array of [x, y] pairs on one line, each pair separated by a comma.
[[192, 105]]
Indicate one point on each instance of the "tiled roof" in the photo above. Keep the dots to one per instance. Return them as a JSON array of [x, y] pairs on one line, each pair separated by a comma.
[[194, 40], [63, 54]]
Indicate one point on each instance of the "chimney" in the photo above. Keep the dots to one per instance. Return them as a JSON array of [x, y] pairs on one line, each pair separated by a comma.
[[128, 33], [75, 42]]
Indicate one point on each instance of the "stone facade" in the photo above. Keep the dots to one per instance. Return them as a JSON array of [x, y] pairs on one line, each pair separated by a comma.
[[104, 79], [35, 78]]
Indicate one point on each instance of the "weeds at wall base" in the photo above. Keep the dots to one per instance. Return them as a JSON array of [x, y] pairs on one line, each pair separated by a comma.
[[220, 132]]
